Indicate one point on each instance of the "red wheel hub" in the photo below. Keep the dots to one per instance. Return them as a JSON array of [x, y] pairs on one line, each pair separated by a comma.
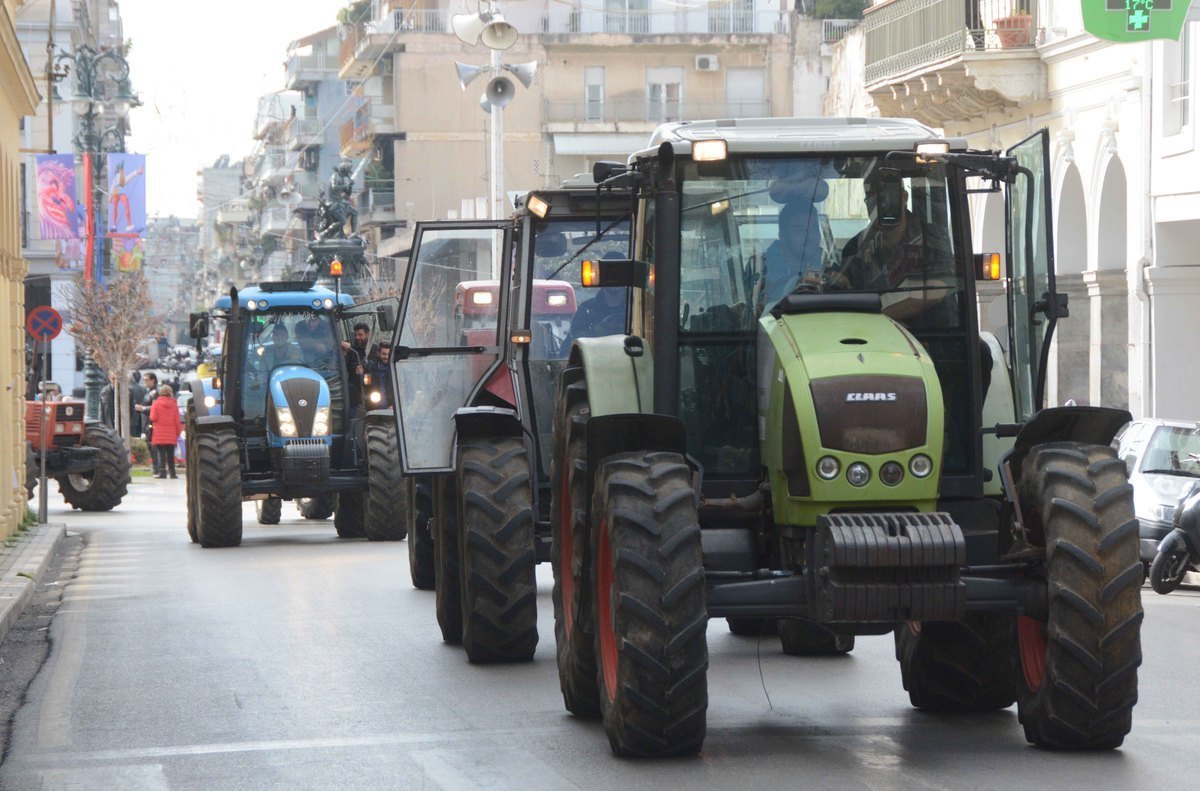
[[566, 550], [608, 636], [1031, 638]]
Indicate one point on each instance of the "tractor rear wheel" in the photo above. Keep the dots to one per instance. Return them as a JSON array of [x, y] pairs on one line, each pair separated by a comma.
[[801, 638], [102, 488], [962, 665], [320, 507], [219, 488], [753, 627], [385, 516], [574, 631], [1077, 683], [350, 514], [269, 510], [447, 584], [498, 557], [649, 606], [420, 536], [190, 478]]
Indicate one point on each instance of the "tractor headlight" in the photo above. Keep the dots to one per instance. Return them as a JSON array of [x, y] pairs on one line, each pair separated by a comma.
[[287, 426], [891, 473], [321, 422], [858, 474], [828, 467], [210, 401], [375, 397], [920, 465]]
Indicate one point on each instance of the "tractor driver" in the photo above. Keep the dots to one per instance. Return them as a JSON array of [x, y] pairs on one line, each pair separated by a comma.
[[603, 314], [279, 352], [316, 342]]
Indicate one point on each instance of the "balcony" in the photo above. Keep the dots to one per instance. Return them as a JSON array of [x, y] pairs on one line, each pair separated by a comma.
[[234, 212], [947, 60], [833, 30], [376, 207], [302, 69], [303, 133], [275, 220], [617, 114], [712, 20]]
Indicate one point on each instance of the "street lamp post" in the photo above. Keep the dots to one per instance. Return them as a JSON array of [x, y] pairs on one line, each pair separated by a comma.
[[101, 80]]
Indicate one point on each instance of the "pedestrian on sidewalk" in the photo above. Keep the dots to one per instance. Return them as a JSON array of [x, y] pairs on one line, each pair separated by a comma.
[[164, 416]]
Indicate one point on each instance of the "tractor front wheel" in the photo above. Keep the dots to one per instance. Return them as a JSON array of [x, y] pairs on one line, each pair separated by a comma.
[[1077, 683], [268, 511], [190, 478], [218, 488], [350, 514], [447, 584], [385, 513], [499, 593], [962, 665], [419, 505], [102, 488], [320, 507], [649, 606]]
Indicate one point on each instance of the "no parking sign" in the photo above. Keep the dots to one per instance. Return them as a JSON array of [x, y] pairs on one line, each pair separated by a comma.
[[44, 323]]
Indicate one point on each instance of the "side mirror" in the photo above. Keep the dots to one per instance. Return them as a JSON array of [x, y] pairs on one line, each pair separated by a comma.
[[889, 203], [987, 266], [602, 170], [614, 272], [198, 325]]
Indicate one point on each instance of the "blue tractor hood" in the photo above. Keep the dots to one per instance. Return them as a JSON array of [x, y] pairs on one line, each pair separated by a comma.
[[289, 294], [302, 392]]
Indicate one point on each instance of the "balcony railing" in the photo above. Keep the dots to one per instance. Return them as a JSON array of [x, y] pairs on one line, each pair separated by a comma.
[[642, 111], [653, 23], [304, 131], [833, 30], [904, 35], [310, 66], [275, 220]]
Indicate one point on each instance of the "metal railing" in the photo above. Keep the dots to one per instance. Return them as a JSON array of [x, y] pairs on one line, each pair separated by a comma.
[[653, 23], [904, 35], [833, 30], [640, 110], [304, 128], [301, 63]]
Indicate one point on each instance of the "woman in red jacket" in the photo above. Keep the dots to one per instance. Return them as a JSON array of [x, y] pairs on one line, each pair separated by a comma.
[[164, 417]]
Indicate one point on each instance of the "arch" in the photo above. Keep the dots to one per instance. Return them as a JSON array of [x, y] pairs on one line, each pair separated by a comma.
[[1070, 232], [1112, 218]]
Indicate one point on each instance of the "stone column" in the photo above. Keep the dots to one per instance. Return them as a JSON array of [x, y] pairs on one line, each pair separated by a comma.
[[1070, 360], [1174, 329], [1108, 349]]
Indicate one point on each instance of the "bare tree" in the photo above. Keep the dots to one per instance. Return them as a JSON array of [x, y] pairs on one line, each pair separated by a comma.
[[114, 320]]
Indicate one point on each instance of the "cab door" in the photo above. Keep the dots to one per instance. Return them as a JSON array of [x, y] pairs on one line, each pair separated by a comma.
[[1034, 306], [445, 349]]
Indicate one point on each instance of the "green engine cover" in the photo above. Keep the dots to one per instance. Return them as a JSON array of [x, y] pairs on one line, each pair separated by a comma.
[[856, 387]]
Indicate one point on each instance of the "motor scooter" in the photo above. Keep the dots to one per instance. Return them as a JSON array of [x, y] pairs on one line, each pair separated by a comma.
[[1179, 552]]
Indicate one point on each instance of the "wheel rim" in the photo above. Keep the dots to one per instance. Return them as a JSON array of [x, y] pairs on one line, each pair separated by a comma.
[[566, 543], [1176, 566], [79, 481], [608, 636], [1031, 636]]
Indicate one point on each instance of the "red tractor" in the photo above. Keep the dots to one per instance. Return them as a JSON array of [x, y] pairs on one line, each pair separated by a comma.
[[88, 460]]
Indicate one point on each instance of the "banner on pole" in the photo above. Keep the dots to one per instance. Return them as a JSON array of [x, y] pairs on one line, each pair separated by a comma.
[[58, 212], [126, 194], [128, 252], [1134, 20]]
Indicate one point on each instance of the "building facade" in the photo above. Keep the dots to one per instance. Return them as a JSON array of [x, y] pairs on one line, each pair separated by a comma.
[[171, 246]]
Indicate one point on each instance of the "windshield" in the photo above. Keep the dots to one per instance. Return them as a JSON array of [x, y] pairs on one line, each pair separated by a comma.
[[1173, 451], [768, 227], [286, 337]]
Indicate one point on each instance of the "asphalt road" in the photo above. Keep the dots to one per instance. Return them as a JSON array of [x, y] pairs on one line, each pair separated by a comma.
[[302, 661]]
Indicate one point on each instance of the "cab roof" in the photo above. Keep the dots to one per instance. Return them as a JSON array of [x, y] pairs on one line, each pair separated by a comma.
[[798, 135], [298, 294]]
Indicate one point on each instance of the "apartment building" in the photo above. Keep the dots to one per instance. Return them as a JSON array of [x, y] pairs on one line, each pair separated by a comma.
[[171, 246], [16, 103]]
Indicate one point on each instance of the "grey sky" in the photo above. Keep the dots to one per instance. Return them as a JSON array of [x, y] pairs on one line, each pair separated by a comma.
[[199, 69]]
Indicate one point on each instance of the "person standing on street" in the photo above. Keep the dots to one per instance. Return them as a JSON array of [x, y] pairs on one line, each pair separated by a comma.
[[164, 417], [146, 425]]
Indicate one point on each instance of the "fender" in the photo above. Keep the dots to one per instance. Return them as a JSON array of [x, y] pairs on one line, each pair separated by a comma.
[[377, 416], [608, 435], [201, 388], [486, 421], [1175, 540], [212, 423], [623, 364], [1093, 425]]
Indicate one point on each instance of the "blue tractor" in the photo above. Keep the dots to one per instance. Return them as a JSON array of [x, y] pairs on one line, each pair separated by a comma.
[[286, 416]]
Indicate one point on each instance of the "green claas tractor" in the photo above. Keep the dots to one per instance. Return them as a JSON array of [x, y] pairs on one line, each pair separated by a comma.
[[488, 315], [806, 432]]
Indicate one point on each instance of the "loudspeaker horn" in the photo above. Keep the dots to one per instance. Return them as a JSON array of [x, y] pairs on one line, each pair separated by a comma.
[[498, 34], [484, 104], [500, 91], [467, 27], [524, 72], [467, 72]]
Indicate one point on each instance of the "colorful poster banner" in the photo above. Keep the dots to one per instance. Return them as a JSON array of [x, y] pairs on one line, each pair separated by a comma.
[[58, 211], [1134, 20], [126, 194], [128, 252]]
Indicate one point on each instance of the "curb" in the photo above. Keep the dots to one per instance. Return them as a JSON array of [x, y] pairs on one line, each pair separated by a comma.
[[25, 572]]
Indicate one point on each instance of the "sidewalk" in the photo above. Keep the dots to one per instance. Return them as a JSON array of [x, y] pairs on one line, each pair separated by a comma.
[[23, 562]]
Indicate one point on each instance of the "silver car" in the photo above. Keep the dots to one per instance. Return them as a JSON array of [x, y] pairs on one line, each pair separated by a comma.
[[1163, 459]]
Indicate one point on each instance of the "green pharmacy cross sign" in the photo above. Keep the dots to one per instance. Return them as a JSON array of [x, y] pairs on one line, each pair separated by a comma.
[[1134, 20]]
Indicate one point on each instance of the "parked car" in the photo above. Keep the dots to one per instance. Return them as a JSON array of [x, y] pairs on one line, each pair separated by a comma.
[[1163, 459]]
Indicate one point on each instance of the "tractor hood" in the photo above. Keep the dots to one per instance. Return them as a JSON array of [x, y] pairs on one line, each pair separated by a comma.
[[301, 391]]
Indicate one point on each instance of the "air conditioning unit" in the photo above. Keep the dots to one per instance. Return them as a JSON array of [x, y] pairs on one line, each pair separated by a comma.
[[707, 63]]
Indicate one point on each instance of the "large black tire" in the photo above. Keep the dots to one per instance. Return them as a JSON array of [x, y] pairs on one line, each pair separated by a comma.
[[958, 665], [649, 606], [1167, 570], [320, 507], [574, 629], [350, 516], [801, 638], [385, 516], [219, 488], [1078, 680], [420, 531], [189, 476], [499, 592], [447, 583], [268, 511], [103, 487]]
